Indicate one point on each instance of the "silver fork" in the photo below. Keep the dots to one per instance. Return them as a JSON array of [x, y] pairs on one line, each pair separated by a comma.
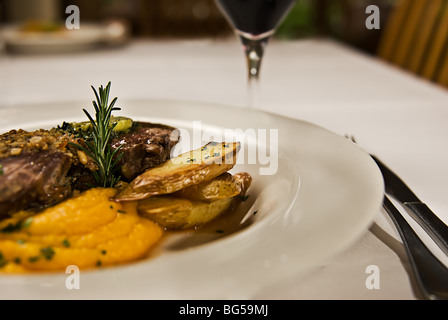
[[431, 275]]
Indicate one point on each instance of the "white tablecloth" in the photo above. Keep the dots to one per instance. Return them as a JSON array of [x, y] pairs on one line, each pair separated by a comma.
[[398, 117]]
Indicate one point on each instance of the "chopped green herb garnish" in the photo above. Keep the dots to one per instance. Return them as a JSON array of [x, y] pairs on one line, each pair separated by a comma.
[[3, 261], [99, 263], [1, 169], [48, 253], [103, 251], [21, 241], [244, 198], [17, 260], [121, 211], [66, 243], [34, 259], [27, 222], [11, 227]]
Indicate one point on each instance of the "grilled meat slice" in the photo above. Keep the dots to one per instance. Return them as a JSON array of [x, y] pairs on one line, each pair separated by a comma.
[[144, 147], [33, 181]]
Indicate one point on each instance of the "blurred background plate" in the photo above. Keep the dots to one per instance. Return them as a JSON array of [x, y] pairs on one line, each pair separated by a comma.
[[34, 37]]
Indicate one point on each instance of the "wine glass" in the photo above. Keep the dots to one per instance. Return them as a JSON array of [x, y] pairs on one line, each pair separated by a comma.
[[254, 22]]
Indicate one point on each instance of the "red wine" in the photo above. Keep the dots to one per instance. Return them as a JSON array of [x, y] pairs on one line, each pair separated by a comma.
[[255, 17]]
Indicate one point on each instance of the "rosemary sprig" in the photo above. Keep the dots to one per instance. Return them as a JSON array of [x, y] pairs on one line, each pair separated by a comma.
[[98, 146]]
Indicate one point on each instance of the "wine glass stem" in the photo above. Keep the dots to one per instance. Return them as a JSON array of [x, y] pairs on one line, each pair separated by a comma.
[[253, 92], [254, 49]]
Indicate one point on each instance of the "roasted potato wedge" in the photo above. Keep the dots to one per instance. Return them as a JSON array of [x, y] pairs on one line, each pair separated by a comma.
[[180, 172], [244, 179], [176, 212], [179, 213], [221, 187]]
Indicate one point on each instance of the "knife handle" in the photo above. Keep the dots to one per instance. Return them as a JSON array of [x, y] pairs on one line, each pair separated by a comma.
[[435, 227], [430, 273]]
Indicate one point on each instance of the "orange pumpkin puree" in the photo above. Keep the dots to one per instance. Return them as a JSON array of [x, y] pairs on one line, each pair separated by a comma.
[[88, 230]]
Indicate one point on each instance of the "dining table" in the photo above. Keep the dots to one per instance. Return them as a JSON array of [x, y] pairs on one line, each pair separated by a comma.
[[392, 113]]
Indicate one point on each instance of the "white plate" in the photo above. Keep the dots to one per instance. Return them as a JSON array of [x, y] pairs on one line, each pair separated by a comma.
[[323, 197], [87, 37]]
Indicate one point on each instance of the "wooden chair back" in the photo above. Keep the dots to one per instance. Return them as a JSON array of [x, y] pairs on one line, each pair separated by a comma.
[[416, 39]]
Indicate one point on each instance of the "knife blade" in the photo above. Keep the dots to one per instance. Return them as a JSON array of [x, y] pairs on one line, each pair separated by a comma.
[[417, 209]]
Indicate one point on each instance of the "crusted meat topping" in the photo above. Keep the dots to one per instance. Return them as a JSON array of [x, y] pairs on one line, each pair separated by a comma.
[[16, 142]]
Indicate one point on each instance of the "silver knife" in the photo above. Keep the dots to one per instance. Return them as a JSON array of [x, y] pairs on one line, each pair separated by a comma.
[[394, 186]]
